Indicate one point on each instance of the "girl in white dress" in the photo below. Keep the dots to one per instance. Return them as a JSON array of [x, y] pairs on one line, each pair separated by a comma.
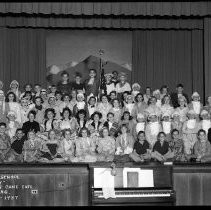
[[11, 99], [68, 121]]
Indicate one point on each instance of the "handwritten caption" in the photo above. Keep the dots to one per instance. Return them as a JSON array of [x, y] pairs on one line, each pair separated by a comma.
[[10, 191]]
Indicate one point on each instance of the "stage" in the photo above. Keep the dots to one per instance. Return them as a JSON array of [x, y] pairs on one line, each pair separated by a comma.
[[70, 185]]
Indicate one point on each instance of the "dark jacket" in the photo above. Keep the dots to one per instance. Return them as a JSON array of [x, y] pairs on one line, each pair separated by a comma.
[[174, 99], [94, 88]]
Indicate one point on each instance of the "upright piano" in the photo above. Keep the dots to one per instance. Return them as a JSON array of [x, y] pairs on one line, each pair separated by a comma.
[[133, 192]]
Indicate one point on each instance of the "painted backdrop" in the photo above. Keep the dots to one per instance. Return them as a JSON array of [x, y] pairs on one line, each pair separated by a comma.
[[78, 51]]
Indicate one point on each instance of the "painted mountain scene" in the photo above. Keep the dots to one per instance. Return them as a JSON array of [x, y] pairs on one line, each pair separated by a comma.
[[79, 50], [91, 62]]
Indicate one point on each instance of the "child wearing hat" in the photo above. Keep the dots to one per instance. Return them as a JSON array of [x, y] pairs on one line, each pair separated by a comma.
[[195, 104], [104, 106], [157, 95], [129, 105], [140, 126], [153, 127], [189, 131], [14, 87], [110, 86], [166, 124], [176, 123], [4, 107], [12, 124], [136, 88], [80, 104], [122, 85]]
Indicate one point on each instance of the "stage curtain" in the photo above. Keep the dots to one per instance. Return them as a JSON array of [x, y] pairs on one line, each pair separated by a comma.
[[207, 55], [22, 55], [168, 57], [149, 8], [101, 22]]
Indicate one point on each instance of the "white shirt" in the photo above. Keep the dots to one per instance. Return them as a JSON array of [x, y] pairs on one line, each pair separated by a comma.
[[125, 87]]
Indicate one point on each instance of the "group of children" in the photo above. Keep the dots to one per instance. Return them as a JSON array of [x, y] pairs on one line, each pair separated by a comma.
[[75, 122]]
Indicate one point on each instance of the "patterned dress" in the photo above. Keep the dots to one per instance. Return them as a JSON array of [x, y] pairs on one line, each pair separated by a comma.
[[106, 149], [177, 147], [32, 149], [4, 146], [85, 150]]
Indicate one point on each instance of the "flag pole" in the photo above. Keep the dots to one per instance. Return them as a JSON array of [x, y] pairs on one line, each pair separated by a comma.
[[101, 52]]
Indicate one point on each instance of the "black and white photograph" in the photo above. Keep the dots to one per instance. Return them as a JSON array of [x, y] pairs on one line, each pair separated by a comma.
[[105, 103]]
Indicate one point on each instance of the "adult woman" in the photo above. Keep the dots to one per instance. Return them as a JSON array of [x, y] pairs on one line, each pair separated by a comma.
[[68, 121], [14, 87], [4, 107], [31, 124], [49, 119], [106, 147], [81, 118], [13, 105], [166, 107], [152, 107], [96, 121], [140, 106], [147, 94]]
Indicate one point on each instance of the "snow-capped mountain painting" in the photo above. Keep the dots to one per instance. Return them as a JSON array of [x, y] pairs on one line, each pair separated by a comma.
[[78, 51], [91, 62]]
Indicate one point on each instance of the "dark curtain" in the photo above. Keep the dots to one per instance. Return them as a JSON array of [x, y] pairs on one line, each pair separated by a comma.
[[145, 8], [22, 55], [207, 55], [116, 22], [168, 57]]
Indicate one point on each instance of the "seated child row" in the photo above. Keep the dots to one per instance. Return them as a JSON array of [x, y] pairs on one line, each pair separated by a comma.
[[66, 145]]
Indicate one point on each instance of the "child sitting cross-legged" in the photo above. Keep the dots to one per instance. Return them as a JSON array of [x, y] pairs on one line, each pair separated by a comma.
[[51, 149], [141, 148], [161, 150]]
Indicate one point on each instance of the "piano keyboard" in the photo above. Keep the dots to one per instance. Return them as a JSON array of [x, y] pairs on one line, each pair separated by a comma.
[[137, 194]]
